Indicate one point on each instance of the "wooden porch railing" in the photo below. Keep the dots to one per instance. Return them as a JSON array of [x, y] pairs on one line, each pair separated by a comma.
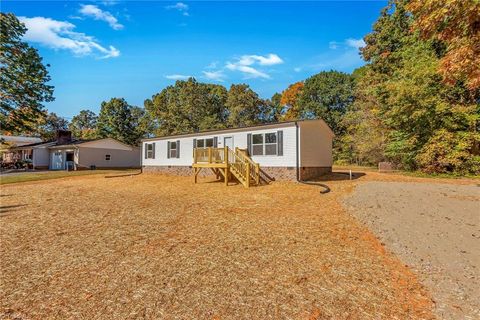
[[235, 161], [209, 155]]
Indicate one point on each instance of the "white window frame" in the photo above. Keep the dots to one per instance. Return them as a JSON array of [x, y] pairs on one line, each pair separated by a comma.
[[149, 147], [204, 141], [264, 144], [172, 149]]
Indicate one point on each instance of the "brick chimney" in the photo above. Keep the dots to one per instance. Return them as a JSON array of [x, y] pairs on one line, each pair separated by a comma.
[[63, 136]]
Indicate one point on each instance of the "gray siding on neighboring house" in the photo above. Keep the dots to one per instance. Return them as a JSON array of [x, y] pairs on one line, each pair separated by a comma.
[[118, 158], [41, 157]]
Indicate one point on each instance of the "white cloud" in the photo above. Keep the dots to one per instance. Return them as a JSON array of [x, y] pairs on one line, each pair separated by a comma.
[[212, 65], [96, 13], [214, 75], [268, 60], [343, 56], [248, 71], [177, 77], [179, 6], [297, 69], [246, 63], [345, 60], [355, 43], [110, 2], [333, 45], [60, 35]]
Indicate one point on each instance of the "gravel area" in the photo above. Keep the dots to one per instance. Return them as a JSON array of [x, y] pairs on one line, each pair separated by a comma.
[[435, 229]]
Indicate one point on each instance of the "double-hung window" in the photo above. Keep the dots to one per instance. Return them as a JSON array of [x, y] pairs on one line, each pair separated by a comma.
[[204, 143], [264, 144], [173, 149], [150, 151]]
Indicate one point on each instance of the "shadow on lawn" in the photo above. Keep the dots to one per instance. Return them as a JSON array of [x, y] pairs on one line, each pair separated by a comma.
[[5, 209]]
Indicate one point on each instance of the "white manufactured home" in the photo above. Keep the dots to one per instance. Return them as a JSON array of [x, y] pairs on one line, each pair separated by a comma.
[[294, 150]]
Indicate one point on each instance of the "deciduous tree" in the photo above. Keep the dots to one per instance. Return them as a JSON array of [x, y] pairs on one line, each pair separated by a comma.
[[23, 79], [457, 24], [49, 124], [271, 110], [290, 99], [243, 106], [327, 95], [84, 125], [119, 120], [188, 106], [402, 98]]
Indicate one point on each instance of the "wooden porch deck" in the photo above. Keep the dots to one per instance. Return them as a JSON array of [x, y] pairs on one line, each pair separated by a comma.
[[227, 163]]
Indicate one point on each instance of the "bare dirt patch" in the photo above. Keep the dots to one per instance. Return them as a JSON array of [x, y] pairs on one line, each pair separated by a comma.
[[153, 247], [434, 228]]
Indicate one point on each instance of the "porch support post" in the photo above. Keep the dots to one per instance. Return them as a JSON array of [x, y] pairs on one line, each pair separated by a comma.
[[226, 175], [247, 178]]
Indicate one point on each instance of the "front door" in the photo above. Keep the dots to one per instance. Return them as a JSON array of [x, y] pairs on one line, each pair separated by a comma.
[[228, 142]]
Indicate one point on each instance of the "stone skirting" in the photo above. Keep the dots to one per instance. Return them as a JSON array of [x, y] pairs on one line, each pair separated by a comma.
[[281, 173], [278, 173]]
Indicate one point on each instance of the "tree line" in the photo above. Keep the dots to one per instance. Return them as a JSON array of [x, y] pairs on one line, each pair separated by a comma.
[[415, 102]]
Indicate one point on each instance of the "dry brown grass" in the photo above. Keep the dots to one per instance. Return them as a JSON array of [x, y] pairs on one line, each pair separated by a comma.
[[159, 247]]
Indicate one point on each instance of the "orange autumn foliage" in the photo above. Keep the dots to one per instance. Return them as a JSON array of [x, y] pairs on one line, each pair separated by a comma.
[[457, 24], [290, 97]]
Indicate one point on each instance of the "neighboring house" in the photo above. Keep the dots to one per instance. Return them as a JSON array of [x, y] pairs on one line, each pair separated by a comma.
[[67, 153], [295, 150], [15, 141]]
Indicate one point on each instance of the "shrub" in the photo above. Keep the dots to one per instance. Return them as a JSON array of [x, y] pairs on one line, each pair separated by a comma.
[[448, 152]]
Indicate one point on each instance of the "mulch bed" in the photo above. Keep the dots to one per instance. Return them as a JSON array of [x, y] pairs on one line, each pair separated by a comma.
[[159, 247]]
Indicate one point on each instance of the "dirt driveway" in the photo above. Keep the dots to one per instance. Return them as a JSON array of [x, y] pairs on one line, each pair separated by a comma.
[[435, 228], [156, 247]]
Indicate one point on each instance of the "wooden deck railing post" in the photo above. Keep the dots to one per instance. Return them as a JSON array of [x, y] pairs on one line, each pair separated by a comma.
[[209, 154], [257, 173], [247, 178], [194, 155], [227, 168]]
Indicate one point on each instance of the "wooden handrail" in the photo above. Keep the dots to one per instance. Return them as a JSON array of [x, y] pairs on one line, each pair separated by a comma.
[[252, 169], [241, 164]]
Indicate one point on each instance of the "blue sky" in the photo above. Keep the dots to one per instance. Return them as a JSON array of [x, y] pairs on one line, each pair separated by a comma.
[[133, 49]]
